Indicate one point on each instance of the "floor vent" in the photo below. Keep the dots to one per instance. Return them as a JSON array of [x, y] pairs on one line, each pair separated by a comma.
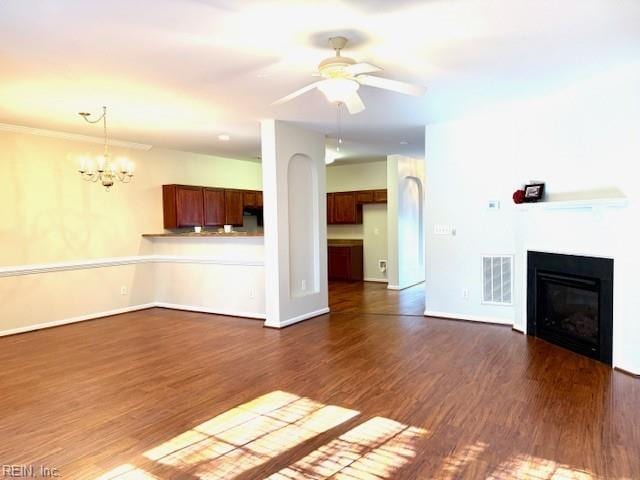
[[497, 277]]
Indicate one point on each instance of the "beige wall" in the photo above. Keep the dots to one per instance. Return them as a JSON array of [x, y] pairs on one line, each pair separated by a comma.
[[373, 231], [50, 215]]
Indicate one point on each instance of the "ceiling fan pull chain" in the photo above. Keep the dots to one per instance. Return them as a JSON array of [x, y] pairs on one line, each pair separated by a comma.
[[339, 128]]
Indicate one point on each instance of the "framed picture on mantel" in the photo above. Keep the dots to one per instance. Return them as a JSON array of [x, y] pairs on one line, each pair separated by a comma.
[[533, 193]]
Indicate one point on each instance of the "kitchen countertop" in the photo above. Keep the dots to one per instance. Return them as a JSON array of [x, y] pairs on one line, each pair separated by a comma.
[[344, 242], [203, 234]]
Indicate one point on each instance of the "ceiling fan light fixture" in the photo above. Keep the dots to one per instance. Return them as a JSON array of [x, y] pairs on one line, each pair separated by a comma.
[[338, 89]]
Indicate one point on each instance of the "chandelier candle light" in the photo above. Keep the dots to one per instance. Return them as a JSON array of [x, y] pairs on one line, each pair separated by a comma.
[[105, 170]]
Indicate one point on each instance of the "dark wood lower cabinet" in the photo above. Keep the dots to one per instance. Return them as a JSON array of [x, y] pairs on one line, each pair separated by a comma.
[[345, 260]]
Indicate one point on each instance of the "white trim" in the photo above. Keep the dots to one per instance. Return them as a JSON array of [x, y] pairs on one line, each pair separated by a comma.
[[207, 260], [472, 318], [299, 318], [34, 269], [586, 204], [81, 318], [7, 127], [398, 287], [228, 313], [379, 280]]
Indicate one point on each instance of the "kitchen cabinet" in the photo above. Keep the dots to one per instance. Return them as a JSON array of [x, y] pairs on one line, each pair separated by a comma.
[[214, 207], [182, 206], [364, 196], [345, 260], [345, 209], [380, 196], [330, 220], [233, 207], [192, 206], [249, 198]]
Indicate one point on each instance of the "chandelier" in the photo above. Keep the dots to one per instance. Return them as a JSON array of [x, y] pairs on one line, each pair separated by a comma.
[[105, 170]]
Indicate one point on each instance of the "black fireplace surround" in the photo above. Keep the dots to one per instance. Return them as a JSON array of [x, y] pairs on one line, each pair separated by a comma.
[[570, 302]]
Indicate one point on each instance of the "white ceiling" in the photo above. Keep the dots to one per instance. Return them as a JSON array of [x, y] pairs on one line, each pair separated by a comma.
[[176, 73]]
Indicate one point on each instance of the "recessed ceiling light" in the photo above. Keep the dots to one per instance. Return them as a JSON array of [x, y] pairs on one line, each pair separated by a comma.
[[404, 142], [224, 137]]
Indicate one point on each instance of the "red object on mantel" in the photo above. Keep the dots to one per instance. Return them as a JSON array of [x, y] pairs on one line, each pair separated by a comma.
[[518, 196]]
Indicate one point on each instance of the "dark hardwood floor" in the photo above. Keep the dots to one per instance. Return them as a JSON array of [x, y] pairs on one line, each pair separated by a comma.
[[169, 394], [373, 297]]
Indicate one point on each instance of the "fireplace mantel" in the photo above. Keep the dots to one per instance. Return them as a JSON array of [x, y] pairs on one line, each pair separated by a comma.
[[582, 204]]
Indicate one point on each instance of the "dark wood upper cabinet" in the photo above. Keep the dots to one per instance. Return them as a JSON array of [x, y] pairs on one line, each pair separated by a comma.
[[330, 202], [234, 207], [345, 209], [364, 196], [380, 196], [250, 198], [214, 203], [182, 206]]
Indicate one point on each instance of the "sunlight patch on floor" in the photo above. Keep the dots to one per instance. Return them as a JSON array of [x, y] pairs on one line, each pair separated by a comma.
[[534, 468], [455, 463], [375, 449], [258, 431], [128, 472]]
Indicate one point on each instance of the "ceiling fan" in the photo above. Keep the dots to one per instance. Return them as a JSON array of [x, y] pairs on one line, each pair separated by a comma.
[[342, 77]]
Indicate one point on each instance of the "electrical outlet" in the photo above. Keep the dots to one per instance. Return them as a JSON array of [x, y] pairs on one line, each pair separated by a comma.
[[252, 294], [376, 231], [382, 265], [303, 285], [123, 290], [465, 294]]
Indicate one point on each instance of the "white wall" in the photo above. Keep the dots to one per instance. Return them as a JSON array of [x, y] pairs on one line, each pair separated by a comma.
[[405, 210], [219, 275], [583, 140], [373, 231]]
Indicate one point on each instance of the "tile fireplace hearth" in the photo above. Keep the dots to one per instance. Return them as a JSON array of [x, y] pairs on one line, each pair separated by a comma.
[[570, 302]]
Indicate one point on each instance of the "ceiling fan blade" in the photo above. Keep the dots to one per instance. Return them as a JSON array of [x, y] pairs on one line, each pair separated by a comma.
[[393, 85], [360, 68], [295, 94], [354, 104]]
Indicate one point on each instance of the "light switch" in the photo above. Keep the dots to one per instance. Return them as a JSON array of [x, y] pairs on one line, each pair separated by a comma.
[[442, 229]]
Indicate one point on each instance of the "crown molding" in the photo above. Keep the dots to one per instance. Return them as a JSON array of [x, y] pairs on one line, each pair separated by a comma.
[[7, 127]]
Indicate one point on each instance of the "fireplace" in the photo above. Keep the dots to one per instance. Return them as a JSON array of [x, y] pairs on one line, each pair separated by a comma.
[[570, 302]]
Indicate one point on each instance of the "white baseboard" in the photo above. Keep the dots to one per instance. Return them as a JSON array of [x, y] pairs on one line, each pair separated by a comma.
[[215, 311], [402, 287], [471, 318], [81, 318], [379, 280], [299, 318]]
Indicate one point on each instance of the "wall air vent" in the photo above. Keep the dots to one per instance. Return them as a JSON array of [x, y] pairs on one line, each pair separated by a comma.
[[497, 279]]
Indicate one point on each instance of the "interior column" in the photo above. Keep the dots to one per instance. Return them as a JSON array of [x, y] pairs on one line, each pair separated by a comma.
[[295, 236]]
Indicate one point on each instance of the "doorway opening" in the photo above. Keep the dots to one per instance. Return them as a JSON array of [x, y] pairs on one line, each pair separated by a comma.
[[375, 236]]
